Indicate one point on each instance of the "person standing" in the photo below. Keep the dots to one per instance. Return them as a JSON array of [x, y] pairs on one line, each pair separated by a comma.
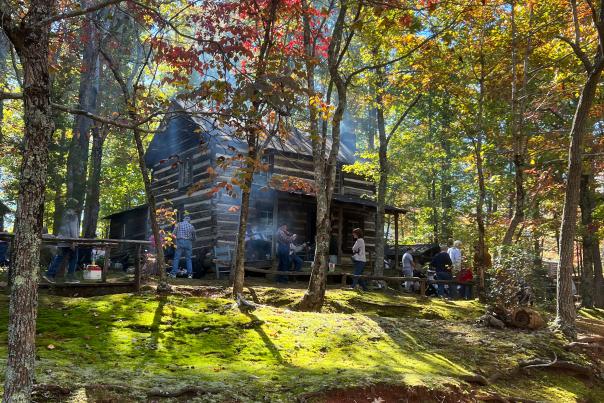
[[359, 258], [68, 229], [408, 267], [442, 265], [466, 277], [284, 240], [455, 255], [184, 232]]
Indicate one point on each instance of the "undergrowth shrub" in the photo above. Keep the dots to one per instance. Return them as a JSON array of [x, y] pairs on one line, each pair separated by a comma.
[[516, 278]]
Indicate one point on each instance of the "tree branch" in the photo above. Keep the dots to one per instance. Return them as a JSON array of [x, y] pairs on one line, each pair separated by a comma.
[[10, 95], [83, 11], [578, 52], [402, 117], [407, 54]]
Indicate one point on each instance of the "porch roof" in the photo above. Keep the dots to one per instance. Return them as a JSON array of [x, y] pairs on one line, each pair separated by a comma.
[[349, 199], [130, 210]]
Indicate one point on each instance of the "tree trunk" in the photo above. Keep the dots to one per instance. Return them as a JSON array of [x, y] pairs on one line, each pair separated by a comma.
[[598, 277], [325, 168], [446, 203], [517, 128], [481, 248], [93, 190], [4, 48], [77, 159], [238, 277], [31, 41], [565, 308], [586, 203], [378, 269], [159, 256]]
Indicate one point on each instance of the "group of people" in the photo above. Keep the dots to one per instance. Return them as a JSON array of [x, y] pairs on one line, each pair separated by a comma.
[[445, 265]]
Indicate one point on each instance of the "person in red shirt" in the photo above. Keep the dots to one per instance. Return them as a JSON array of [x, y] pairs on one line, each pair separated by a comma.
[[465, 276]]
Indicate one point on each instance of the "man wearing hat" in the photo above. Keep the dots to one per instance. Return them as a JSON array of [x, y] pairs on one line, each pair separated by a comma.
[[184, 232]]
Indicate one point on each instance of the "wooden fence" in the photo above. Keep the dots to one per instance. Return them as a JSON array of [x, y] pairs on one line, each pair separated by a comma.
[[396, 281]]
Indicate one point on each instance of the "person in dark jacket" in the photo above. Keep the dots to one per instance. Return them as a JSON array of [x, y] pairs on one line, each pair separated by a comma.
[[442, 264], [284, 240]]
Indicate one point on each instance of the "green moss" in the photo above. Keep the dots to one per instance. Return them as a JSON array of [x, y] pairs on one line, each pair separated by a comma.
[[592, 313], [275, 353]]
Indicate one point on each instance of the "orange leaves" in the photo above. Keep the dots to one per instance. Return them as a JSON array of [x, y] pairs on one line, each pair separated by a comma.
[[292, 184]]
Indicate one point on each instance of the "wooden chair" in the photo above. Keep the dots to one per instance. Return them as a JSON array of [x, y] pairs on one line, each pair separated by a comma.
[[223, 260]]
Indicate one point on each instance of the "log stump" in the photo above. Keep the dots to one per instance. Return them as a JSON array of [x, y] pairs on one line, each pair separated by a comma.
[[526, 318]]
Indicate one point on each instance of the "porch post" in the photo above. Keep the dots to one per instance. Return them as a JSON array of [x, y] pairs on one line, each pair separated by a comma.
[[340, 232], [396, 240], [275, 226]]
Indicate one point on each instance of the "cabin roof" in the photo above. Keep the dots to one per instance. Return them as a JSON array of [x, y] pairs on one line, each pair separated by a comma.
[[123, 212], [298, 142]]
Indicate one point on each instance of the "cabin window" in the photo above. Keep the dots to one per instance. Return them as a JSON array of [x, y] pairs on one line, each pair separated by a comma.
[[185, 173]]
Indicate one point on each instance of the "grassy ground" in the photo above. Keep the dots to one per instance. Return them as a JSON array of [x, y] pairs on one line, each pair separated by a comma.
[[127, 347]]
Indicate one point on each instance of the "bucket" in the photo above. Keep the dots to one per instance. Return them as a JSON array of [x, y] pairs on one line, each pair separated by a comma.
[[93, 272]]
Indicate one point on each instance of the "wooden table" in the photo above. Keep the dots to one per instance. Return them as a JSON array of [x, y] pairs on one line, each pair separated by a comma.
[[104, 244]]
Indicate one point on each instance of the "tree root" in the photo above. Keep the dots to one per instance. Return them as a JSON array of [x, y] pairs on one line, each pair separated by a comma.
[[187, 390], [566, 365], [591, 339], [475, 379], [584, 345]]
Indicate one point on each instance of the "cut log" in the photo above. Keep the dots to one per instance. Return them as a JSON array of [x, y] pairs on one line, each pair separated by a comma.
[[526, 318]]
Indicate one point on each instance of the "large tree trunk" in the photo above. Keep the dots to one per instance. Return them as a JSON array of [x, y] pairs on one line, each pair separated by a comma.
[[586, 203], [30, 39], [565, 307], [378, 269], [93, 190], [77, 159]]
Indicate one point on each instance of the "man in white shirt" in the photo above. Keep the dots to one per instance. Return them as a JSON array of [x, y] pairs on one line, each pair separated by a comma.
[[455, 255], [408, 266]]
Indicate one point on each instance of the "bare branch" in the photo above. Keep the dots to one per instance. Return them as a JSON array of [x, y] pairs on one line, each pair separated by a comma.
[[83, 11], [101, 119], [403, 117]]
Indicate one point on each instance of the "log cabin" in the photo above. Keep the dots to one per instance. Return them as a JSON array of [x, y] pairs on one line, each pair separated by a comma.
[[193, 165]]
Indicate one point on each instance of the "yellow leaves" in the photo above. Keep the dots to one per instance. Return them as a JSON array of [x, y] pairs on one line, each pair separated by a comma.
[[323, 108]]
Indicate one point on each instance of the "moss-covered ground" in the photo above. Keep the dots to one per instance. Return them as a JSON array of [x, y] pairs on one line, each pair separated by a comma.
[[125, 347]]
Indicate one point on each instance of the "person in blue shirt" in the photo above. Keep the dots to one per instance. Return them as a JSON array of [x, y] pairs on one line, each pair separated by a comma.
[[185, 235], [442, 264]]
